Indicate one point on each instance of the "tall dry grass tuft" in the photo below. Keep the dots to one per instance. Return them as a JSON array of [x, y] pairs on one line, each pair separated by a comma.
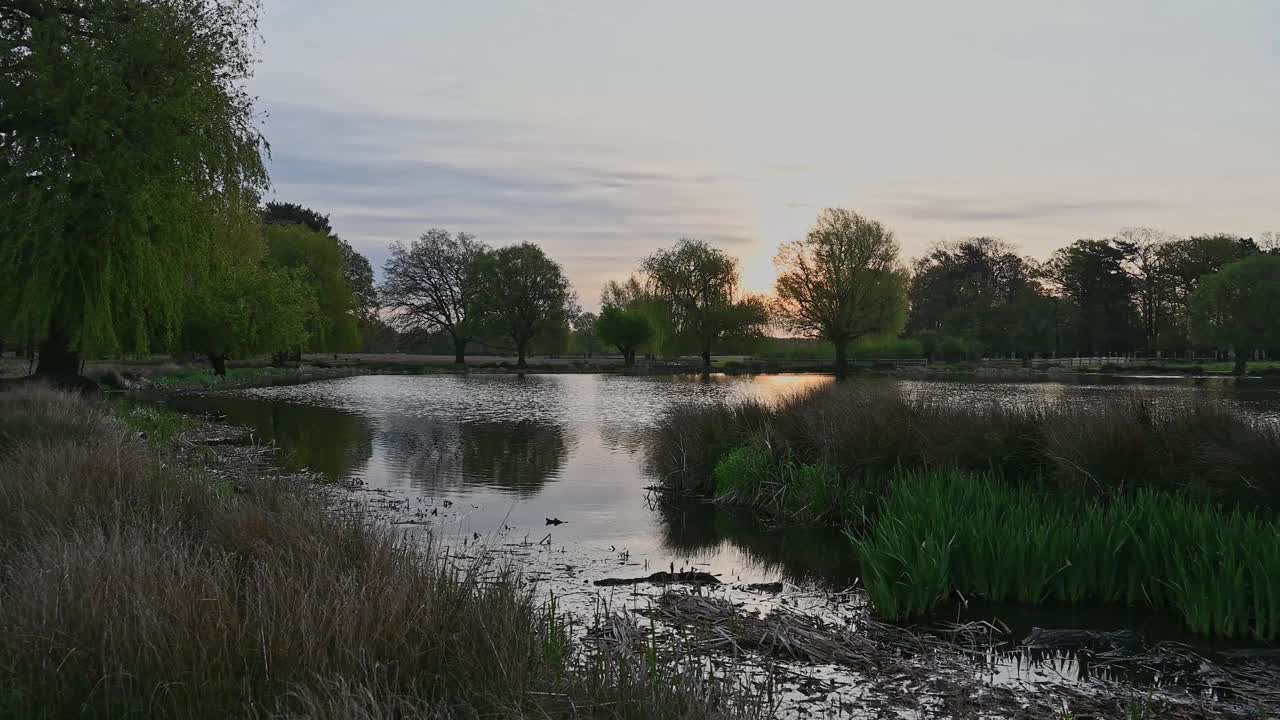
[[131, 586], [1104, 448]]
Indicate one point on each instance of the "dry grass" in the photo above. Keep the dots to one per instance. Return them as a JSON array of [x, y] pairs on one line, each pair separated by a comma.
[[131, 586], [865, 431]]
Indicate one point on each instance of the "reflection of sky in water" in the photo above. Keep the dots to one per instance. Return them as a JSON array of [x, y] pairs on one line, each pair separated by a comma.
[[507, 452]]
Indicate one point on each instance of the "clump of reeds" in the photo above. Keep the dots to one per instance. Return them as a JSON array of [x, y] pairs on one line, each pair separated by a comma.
[[132, 586], [1098, 449], [944, 531]]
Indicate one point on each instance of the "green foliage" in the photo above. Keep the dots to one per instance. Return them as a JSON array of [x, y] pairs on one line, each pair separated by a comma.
[[699, 285], [635, 297], [128, 150], [1092, 279], [317, 259], [980, 288], [243, 310], [1239, 306], [842, 282], [625, 329], [523, 294], [946, 530], [800, 492]]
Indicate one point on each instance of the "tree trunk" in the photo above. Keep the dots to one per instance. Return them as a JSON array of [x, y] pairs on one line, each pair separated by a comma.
[[219, 363], [706, 359], [460, 351], [1242, 363], [628, 357], [520, 348], [58, 362], [842, 359]]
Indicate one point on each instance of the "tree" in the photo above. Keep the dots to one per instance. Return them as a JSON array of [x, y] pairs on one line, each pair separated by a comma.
[[625, 329], [432, 285], [128, 148], [982, 290], [1187, 260], [333, 328], [633, 296], [1238, 307], [1146, 261], [584, 333], [356, 269], [523, 294], [700, 283], [246, 309], [842, 282], [1090, 279]]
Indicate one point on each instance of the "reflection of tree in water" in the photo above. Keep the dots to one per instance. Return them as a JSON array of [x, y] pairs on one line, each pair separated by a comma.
[[316, 438], [520, 456], [800, 554]]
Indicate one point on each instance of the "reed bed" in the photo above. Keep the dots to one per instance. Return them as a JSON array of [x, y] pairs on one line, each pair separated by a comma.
[[1107, 448], [941, 532], [133, 586]]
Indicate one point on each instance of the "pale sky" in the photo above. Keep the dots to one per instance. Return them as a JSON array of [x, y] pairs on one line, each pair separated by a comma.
[[604, 130]]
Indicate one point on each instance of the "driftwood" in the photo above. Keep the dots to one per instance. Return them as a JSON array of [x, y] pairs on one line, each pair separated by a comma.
[[1097, 641], [664, 578]]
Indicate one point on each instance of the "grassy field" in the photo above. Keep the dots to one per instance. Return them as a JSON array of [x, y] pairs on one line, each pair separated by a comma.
[[132, 585]]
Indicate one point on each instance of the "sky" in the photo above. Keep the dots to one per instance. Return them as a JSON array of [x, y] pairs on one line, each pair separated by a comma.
[[605, 130]]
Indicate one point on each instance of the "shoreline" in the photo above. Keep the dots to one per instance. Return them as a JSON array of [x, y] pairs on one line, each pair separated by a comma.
[[951, 667]]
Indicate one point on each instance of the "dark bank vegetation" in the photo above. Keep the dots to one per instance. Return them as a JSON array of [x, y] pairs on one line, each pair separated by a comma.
[[133, 585], [1161, 505]]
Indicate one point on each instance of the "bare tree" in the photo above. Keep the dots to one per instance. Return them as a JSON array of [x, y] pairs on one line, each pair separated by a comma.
[[431, 285], [841, 282], [1147, 262]]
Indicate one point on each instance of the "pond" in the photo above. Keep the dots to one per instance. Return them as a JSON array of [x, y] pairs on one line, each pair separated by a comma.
[[496, 459]]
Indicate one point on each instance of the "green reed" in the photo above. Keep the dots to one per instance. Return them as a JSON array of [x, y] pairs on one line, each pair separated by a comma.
[[940, 532]]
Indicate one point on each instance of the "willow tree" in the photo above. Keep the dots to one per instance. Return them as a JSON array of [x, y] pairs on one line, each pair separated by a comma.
[[701, 285], [128, 146], [841, 282]]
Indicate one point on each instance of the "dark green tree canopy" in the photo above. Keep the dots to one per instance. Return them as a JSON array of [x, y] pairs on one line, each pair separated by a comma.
[[979, 289], [282, 213], [128, 148], [524, 294], [1090, 277]]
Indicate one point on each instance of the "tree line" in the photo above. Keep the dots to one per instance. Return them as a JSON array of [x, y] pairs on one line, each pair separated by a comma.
[[133, 174]]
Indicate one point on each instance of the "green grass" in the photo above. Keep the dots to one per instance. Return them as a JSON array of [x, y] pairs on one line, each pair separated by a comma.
[[195, 378], [154, 422], [946, 531]]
